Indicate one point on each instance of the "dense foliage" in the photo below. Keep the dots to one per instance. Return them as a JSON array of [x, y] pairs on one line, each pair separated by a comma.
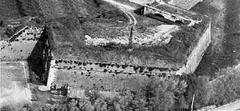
[[222, 89], [157, 95], [165, 94]]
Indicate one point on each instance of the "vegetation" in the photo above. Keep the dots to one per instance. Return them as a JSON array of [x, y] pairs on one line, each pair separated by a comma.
[[222, 89], [165, 94]]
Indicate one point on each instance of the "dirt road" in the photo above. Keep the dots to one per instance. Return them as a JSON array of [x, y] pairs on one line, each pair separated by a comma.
[[235, 106]]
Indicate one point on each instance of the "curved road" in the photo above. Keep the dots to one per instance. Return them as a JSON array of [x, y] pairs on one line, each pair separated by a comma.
[[234, 106], [126, 9]]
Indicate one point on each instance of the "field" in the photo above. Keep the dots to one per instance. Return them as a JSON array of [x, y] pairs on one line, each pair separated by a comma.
[[13, 82]]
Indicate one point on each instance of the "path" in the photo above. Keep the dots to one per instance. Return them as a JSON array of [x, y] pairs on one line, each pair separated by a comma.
[[235, 106]]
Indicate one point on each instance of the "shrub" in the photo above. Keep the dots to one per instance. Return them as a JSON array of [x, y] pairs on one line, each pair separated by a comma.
[[163, 94], [226, 86], [222, 89], [166, 94]]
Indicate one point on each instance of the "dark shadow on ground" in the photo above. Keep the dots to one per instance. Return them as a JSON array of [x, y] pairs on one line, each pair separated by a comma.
[[39, 61], [211, 63], [231, 43]]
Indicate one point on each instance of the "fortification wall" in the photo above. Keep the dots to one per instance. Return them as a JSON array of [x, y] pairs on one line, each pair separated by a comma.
[[104, 76], [85, 69], [197, 53]]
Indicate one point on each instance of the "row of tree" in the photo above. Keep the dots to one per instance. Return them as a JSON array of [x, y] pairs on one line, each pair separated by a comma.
[[158, 95]]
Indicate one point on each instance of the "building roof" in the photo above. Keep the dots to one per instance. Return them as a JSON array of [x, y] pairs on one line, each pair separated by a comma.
[[175, 11]]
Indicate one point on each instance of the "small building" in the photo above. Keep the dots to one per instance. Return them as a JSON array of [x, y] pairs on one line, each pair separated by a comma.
[[183, 4], [172, 14]]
